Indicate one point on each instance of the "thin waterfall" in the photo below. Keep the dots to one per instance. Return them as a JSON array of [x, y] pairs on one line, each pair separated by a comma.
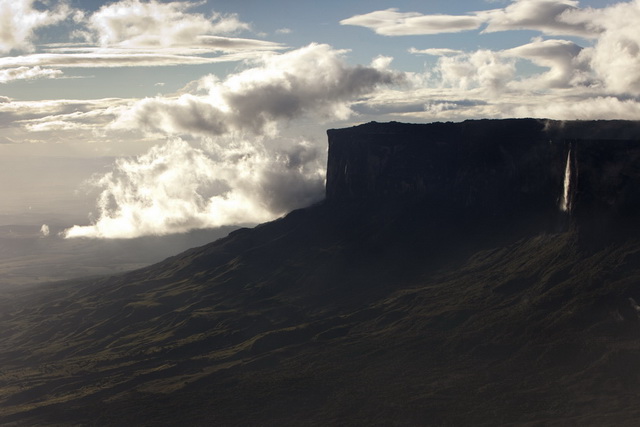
[[565, 206]]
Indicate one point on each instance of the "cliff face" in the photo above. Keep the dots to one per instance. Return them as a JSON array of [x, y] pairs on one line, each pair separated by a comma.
[[499, 168]]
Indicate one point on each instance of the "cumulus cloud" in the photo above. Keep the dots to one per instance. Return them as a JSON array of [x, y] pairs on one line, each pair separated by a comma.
[[615, 58], [314, 79], [608, 64], [390, 22], [28, 73], [132, 23], [484, 69], [19, 20], [237, 167], [175, 188]]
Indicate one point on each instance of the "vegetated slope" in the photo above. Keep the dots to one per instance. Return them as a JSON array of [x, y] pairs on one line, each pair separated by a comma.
[[340, 314]]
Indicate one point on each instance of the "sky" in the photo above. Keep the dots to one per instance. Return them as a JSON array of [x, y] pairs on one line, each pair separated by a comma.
[[130, 118]]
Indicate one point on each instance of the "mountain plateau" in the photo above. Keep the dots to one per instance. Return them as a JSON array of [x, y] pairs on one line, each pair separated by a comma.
[[476, 273]]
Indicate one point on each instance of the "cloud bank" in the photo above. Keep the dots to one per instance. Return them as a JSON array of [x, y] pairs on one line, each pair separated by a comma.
[[564, 78], [127, 33], [243, 170], [132, 23], [176, 188]]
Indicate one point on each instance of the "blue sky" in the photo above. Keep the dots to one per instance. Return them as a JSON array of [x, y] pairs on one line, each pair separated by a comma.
[[139, 117]]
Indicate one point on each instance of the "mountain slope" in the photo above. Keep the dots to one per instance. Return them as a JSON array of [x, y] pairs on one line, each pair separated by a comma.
[[318, 318]]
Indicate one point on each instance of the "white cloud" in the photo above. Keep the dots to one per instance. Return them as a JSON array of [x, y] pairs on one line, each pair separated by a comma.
[[129, 33], [175, 188], [381, 62], [19, 20], [547, 16], [611, 66], [592, 108], [132, 23], [561, 57], [482, 69], [28, 112], [615, 58], [390, 22], [67, 122], [311, 80], [247, 172], [44, 230], [435, 51], [27, 73], [106, 58]]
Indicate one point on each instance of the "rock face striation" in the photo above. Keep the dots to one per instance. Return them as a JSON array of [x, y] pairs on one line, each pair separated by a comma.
[[587, 170]]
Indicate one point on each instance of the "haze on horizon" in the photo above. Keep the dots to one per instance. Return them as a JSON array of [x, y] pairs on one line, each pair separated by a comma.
[[135, 118]]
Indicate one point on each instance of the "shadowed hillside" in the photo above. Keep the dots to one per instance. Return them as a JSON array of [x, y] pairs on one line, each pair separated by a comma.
[[376, 310]]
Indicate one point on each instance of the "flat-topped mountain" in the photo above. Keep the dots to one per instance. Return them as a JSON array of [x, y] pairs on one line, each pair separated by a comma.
[[451, 277], [499, 168]]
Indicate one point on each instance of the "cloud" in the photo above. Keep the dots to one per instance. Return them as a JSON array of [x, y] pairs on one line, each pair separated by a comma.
[[547, 16], [175, 188], [611, 65], [390, 22], [19, 21], [132, 23], [75, 122], [310, 80], [551, 17], [615, 58], [284, 31], [244, 170], [117, 58], [561, 57], [595, 108], [231, 44], [32, 112], [128, 33], [484, 69], [435, 51], [27, 73], [44, 230]]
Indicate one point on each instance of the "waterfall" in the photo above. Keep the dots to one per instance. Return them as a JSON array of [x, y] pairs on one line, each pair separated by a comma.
[[565, 206]]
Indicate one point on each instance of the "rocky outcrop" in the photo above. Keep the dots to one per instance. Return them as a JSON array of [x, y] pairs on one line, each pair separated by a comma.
[[499, 168]]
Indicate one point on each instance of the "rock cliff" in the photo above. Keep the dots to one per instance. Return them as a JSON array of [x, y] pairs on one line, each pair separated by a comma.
[[493, 168]]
